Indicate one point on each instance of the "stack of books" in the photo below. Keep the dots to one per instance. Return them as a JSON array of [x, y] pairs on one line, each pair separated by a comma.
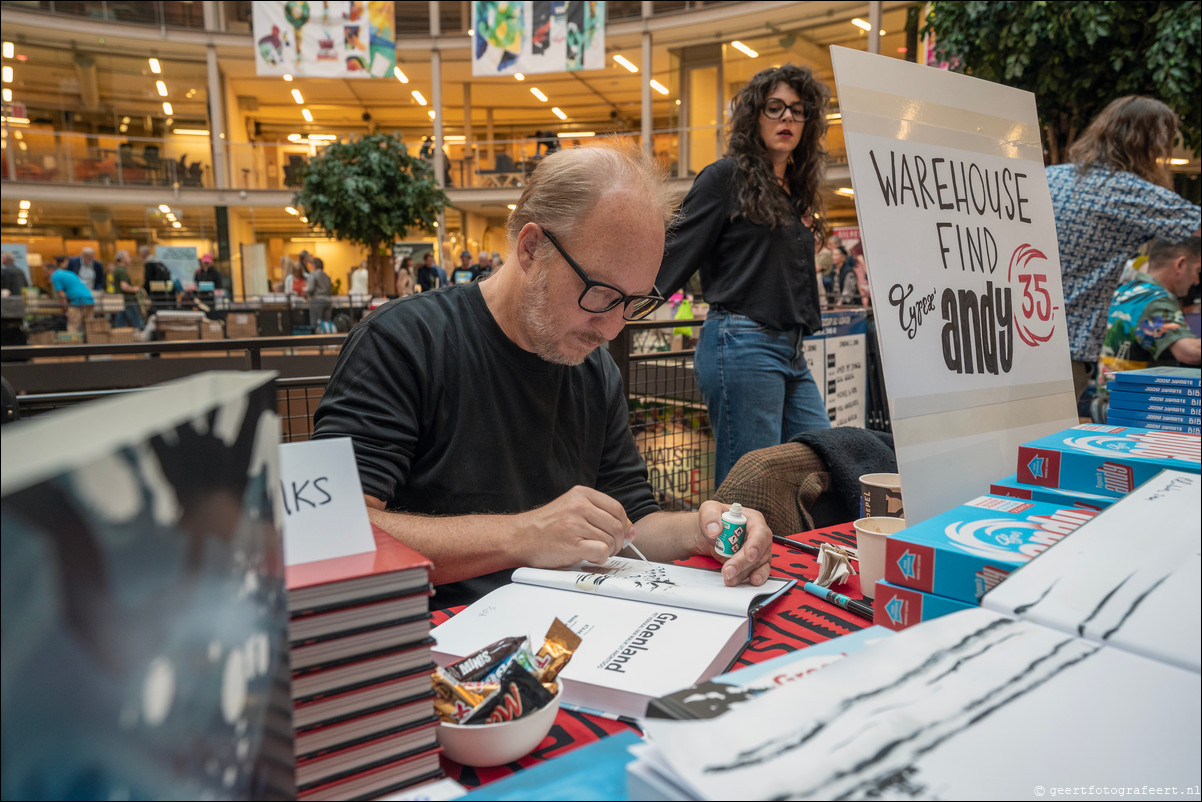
[[1164, 399], [949, 562], [361, 696]]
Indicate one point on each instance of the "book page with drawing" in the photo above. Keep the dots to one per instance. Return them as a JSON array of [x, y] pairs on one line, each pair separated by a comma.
[[663, 583]]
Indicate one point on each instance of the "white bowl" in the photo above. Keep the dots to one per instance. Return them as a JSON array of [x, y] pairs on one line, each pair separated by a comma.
[[498, 744]]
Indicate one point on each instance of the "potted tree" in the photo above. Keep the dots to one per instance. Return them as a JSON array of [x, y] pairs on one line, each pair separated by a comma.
[[369, 191]]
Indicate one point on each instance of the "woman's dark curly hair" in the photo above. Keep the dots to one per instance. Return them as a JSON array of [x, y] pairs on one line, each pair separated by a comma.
[[756, 191]]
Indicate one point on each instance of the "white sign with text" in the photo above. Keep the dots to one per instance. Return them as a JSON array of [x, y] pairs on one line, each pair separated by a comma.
[[324, 513], [964, 270]]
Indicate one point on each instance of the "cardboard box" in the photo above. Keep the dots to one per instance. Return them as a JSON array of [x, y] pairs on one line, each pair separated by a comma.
[[241, 325], [898, 608], [179, 331], [43, 338], [1010, 486], [1106, 460], [965, 552], [212, 330], [124, 334]]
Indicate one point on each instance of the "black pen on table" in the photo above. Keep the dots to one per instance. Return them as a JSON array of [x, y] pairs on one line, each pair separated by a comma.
[[838, 599], [795, 544]]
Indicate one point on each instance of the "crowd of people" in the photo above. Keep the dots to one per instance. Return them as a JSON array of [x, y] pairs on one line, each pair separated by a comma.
[[78, 282]]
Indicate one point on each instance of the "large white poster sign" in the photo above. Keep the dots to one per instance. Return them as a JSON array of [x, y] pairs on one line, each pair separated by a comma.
[[181, 260], [537, 36], [347, 39], [963, 267]]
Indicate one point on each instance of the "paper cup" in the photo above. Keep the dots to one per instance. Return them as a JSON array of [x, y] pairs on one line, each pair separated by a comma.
[[871, 534], [880, 496]]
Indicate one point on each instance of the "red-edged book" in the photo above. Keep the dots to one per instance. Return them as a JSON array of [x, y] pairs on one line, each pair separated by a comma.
[[392, 570], [336, 764], [332, 707], [348, 674], [364, 727], [380, 780]]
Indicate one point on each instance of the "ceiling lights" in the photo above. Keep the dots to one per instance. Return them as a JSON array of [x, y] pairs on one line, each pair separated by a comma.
[[744, 49], [167, 109], [154, 66], [308, 115], [859, 23], [161, 87], [296, 95], [534, 90], [400, 76], [418, 97], [625, 63], [558, 113], [658, 87]]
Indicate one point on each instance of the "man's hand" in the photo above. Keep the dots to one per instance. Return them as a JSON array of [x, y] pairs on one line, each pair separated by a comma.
[[751, 563], [582, 524]]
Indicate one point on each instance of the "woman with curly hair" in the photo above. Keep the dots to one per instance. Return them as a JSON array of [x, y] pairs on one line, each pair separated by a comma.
[[748, 224], [1112, 197]]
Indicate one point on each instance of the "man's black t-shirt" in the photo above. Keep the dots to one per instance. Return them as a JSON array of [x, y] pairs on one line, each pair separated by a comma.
[[450, 417]]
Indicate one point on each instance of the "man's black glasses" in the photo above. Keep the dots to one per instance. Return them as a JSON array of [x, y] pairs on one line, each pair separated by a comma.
[[599, 297], [774, 109]]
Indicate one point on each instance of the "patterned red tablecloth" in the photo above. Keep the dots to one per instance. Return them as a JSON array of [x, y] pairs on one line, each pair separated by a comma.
[[793, 622]]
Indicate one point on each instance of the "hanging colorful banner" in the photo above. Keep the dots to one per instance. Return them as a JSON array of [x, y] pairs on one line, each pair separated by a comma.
[[349, 39], [537, 37]]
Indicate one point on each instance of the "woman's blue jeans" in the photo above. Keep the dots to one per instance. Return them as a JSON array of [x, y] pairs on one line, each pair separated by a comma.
[[757, 386]]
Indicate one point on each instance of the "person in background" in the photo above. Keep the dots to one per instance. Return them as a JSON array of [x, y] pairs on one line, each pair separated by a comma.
[[1110, 198], [13, 279], [295, 283], [89, 270], [206, 298], [823, 271], [321, 303], [118, 280], [490, 427], [154, 273], [749, 223], [427, 275], [76, 297], [467, 272], [404, 278], [485, 264], [1146, 323], [359, 279]]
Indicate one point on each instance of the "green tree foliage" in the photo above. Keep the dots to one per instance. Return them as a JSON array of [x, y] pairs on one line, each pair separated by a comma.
[[369, 191], [1078, 56]]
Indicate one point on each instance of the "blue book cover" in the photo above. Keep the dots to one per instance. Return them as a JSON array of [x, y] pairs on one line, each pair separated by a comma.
[[594, 771], [714, 697], [145, 615], [1176, 404], [1181, 377], [1152, 426], [1158, 417], [1010, 486], [1155, 390]]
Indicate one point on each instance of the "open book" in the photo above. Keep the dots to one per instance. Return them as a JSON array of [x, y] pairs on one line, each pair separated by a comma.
[[647, 628], [1094, 640]]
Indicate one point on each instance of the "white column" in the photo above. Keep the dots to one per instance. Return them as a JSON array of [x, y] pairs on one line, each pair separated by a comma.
[[216, 117], [874, 19]]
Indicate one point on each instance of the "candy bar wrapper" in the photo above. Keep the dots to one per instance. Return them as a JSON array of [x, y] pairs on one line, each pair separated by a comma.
[[480, 664], [518, 695], [557, 649]]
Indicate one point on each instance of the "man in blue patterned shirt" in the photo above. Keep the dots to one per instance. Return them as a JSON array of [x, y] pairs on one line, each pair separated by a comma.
[[1147, 327], [1110, 200]]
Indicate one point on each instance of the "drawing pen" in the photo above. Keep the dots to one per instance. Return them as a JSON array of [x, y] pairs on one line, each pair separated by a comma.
[[635, 549], [860, 608], [794, 544]]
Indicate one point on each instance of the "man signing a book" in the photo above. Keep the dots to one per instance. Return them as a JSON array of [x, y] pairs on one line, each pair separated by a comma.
[[491, 429]]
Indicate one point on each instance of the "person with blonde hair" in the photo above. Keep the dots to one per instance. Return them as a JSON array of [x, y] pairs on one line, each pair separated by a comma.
[[490, 427], [1112, 197]]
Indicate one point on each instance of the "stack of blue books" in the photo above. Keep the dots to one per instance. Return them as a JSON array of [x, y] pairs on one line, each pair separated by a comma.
[[1167, 399]]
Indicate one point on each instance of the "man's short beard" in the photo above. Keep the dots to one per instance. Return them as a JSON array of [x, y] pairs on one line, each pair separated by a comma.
[[538, 320]]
